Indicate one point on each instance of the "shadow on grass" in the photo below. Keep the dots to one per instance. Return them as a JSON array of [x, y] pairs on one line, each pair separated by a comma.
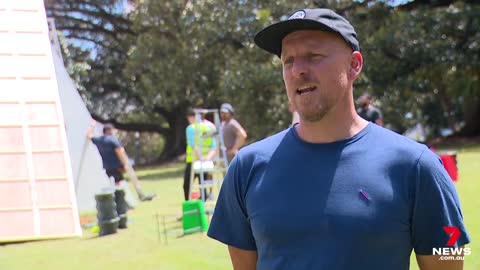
[[459, 144], [162, 175], [475, 148], [96, 236]]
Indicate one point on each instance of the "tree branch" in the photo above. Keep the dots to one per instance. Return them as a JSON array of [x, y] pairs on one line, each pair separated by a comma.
[[141, 127], [121, 24], [67, 22], [163, 112], [432, 4]]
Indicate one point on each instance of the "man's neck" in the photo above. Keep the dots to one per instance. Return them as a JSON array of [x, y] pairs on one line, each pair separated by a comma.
[[332, 127]]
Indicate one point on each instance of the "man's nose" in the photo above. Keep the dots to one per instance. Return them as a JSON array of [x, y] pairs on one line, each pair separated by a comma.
[[300, 67]]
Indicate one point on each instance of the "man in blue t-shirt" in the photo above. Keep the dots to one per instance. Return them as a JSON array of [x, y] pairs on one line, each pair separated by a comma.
[[112, 152], [369, 112], [114, 157], [333, 191]]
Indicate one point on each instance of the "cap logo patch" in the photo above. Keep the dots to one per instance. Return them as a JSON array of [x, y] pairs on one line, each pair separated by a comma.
[[297, 15]]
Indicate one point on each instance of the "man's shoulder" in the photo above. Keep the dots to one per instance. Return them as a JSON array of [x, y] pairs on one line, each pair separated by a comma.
[[210, 125], [234, 123], [99, 139], [388, 140], [265, 146], [111, 139], [375, 109]]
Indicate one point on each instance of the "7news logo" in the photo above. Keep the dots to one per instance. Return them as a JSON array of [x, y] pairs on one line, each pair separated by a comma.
[[451, 252]]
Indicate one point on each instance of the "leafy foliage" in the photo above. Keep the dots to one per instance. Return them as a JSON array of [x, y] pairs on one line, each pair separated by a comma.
[[141, 63], [425, 62]]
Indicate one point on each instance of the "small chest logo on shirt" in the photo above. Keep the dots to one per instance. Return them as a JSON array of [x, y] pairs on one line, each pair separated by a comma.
[[364, 195]]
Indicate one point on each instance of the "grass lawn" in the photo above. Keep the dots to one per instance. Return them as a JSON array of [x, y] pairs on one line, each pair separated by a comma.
[[139, 246]]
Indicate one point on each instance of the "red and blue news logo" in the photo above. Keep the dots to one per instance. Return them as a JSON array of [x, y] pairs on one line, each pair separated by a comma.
[[451, 252]]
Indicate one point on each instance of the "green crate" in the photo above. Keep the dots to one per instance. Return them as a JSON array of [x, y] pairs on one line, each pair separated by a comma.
[[194, 218]]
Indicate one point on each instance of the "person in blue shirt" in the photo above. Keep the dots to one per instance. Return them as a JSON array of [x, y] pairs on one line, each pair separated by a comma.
[[333, 191], [112, 152], [369, 112], [114, 157]]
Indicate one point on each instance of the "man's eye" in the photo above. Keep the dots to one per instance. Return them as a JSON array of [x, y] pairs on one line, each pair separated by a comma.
[[288, 61], [316, 56]]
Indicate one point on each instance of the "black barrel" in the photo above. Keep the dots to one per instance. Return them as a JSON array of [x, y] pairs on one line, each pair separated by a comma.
[[107, 217], [122, 207]]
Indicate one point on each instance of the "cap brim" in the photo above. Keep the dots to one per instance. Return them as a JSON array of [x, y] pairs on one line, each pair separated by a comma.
[[270, 38]]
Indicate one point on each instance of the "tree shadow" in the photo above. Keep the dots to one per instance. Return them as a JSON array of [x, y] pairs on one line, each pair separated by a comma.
[[163, 175]]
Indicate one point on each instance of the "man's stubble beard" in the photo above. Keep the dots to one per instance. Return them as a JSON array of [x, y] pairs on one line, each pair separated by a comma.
[[312, 112]]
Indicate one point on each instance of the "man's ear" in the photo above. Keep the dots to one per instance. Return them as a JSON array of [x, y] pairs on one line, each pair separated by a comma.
[[356, 64]]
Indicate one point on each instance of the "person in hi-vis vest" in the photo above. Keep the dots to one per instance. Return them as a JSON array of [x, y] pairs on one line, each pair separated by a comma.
[[207, 150]]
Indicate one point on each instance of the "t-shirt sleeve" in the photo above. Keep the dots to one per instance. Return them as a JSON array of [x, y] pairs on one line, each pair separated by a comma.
[[214, 144], [230, 222], [95, 140], [236, 125], [377, 114], [190, 134], [436, 205], [115, 142]]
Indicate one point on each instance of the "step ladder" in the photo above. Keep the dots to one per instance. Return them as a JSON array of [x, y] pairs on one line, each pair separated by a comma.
[[215, 169]]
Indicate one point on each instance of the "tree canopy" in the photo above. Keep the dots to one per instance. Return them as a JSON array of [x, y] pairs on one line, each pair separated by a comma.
[[140, 64]]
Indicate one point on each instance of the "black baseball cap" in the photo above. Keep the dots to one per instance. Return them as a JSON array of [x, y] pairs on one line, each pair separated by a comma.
[[270, 38], [190, 112]]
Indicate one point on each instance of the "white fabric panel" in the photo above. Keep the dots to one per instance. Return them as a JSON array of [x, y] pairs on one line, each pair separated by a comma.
[[88, 173]]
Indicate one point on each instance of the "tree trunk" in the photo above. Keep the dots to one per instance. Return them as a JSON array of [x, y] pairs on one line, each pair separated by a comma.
[[445, 104], [471, 117], [175, 137]]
